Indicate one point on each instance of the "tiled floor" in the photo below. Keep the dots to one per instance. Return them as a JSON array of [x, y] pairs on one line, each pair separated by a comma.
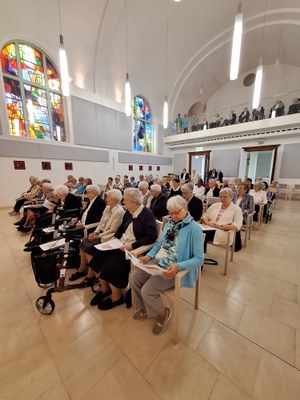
[[243, 343]]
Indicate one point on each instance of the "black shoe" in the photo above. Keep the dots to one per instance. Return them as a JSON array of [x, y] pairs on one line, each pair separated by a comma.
[[30, 243], [108, 304], [87, 282], [99, 297], [77, 275], [18, 223], [24, 230]]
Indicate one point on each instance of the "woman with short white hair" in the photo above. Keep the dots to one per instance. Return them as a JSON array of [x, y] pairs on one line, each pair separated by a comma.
[[94, 208], [180, 247], [158, 203], [223, 216]]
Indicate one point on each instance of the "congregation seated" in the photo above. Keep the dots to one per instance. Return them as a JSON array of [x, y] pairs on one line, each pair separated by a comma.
[[212, 190], [199, 188], [138, 228], [158, 203], [244, 115], [175, 188], [69, 200], [230, 119], [110, 221], [244, 200], [94, 210], [258, 113], [178, 248], [27, 222], [259, 196], [26, 196], [277, 109], [195, 206], [294, 108], [147, 196], [223, 216]]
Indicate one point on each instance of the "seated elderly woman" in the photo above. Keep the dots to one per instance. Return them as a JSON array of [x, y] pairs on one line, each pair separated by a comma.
[[224, 216], [195, 205], [69, 200], [246, 204], [138, 228], [180, 247], [26, 196], [94, 210], [260, 198], [158, 203], [212, 190], [111, 220]]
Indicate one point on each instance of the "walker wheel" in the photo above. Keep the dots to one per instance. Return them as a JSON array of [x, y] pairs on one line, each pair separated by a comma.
[[45, 306]]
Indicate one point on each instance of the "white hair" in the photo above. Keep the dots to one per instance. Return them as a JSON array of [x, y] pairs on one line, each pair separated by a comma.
[[135, 195], [176, 202], [143, 185], [61, 190], [94, 189], [188, 187], [48, 186], [115, 194], [155, 187], [227, 191]]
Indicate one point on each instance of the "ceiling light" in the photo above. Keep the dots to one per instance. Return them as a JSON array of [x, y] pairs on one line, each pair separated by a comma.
[[257, 85], [236, 44]]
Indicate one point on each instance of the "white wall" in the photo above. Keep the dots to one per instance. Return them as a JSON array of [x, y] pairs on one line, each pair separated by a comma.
[[14, 182]]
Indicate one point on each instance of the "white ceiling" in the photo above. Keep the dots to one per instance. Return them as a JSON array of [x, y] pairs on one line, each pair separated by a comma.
[[199, 36]]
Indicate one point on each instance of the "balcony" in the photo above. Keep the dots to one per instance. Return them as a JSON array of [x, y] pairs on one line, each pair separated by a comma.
[[287, 125]]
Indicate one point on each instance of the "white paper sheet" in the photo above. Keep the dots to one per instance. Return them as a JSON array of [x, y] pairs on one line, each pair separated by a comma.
[[53, 244], [207, 228], [152, 269], [109, 245]]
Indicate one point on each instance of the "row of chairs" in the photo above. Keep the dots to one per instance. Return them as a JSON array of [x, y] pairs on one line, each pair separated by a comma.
[[289, 192]]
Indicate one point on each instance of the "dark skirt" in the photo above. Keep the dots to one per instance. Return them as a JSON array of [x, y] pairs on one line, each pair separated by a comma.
[[89, 246], [112, 266]]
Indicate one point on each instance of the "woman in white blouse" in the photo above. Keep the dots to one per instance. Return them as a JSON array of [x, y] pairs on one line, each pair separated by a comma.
[[260, 198], [224, 216]]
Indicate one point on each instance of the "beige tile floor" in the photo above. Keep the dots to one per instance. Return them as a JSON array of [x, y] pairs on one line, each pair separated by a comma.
[[242, 344]]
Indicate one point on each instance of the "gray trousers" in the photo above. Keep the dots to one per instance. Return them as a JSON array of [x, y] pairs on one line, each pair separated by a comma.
[[146, 290]]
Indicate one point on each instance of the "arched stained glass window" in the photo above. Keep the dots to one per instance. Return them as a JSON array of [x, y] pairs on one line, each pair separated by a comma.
[[32, 93], [142, 125]]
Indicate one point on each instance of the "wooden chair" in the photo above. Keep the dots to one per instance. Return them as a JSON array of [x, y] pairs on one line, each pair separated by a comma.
[[248, 227], [174, 291], [295, 191], [228, 248], [284, 190]]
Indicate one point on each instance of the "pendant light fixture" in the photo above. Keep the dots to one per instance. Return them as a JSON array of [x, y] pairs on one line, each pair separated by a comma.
[[166, 107], [259, 69], [277, 61], [127, 82], [236, 44], [63, 61]]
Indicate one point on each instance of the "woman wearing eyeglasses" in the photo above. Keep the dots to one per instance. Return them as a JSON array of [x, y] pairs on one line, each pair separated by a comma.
[[180, 247]]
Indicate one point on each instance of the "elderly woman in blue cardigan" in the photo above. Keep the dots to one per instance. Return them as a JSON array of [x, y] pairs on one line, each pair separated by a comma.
[[180, 247]]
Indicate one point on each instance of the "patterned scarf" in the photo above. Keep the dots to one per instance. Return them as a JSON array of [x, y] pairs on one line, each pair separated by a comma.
[[168, 253]]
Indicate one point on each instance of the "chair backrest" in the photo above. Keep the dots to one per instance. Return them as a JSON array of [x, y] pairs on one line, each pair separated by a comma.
[[283, 185], [212, 200], [297, 187], [159, 226]]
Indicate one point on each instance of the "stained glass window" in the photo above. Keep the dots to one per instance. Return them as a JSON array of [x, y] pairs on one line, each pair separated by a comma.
[[32, 93], [142, 125]]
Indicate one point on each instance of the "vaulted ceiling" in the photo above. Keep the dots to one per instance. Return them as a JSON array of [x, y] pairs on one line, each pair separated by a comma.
[[198, 46]]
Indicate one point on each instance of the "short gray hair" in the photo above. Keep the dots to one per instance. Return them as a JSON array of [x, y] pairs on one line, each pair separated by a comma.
[[61, 190], [94, 189], [213, 181], [188, 187], [115, 194], [48, 186], [227, 191], [155, 187], [143, 184], [135, 195], [177, 202]]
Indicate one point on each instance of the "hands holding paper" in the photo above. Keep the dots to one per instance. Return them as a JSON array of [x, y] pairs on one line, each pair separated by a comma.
[[171, 271], [144, 259], [127, 247]]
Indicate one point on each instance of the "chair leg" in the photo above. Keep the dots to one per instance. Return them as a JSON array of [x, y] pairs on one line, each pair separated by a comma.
[[246, 236], [176, 311], [226, 254], [196, 305]]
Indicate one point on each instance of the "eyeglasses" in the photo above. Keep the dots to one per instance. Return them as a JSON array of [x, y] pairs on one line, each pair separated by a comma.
[[175, 212]]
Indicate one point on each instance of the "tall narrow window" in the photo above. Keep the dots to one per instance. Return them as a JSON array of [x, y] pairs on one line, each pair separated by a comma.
[[142, 125], [32, 93]]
